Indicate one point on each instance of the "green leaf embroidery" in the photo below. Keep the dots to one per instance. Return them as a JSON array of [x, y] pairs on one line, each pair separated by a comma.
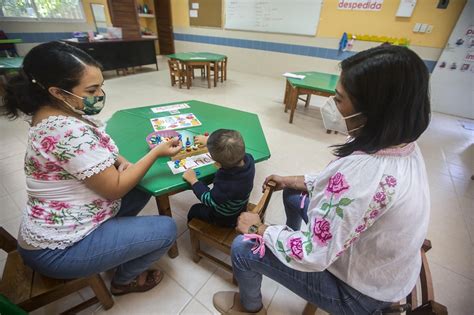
[[325, 206], [339, 212], [309, 248], [288, 259], [345, 202], [280, 246], [307, 234]]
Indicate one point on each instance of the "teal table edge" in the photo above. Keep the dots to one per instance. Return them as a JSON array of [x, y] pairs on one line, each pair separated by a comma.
[[300, 83]]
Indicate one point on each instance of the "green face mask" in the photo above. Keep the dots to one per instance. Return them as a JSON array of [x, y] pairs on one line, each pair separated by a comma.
[[92, 104]]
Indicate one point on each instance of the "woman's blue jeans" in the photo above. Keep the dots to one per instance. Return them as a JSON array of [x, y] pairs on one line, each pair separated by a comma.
[[127, 242], [320, 288]]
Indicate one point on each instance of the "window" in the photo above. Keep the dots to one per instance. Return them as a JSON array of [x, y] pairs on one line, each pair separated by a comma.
[[42, 9]]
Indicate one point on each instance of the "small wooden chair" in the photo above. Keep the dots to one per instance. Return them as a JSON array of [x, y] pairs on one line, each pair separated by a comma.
[[427, 306], [220, 70], [177, 73], [30, 290], [221, 237]]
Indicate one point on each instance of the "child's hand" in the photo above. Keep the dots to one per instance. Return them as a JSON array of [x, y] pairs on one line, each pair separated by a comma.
[[169, 148], [201, 139], [190, 176]]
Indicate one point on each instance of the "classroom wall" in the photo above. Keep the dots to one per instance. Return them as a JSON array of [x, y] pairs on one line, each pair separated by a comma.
[[273, 54]]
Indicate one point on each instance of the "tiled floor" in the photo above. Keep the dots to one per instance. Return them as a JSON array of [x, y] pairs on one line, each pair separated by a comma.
[[301, 147]]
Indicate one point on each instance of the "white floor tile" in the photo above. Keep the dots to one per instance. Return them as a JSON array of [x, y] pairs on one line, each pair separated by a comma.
[[195, 308]]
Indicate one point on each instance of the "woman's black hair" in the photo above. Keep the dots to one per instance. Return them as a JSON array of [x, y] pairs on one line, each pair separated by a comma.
[[50, 64], [390, 86]]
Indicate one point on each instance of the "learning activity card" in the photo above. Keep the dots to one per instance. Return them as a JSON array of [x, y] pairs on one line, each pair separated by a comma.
[[181, 165], [169, 108], [175, 122]]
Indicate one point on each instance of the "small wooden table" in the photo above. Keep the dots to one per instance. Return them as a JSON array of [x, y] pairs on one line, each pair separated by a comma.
[[8, 66], [130, 127], [314, 83], [197, 59]]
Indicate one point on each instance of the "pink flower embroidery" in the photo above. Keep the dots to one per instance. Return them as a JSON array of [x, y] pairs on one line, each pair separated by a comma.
[[68, 133], [37, 212], [49, 218], [360, 228], [336, 185], [296, 247], [391, 181], [35, 163], [380, 197], [58, 205], [321, 231], [52, 167], [39, 175], [99, 216], [83, 129], [374, 213], [103, 140], [49, 143], [79, 151]]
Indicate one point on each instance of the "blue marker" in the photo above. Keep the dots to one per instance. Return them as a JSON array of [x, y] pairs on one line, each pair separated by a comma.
[[198, 173]]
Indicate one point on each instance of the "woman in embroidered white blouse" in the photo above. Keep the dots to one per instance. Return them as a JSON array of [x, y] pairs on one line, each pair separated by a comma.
[[366, 213], [80, 218]]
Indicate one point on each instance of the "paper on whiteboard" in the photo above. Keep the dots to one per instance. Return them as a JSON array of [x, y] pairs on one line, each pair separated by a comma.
[[194, 161], [169, 108], [193, 13], [293, 75], [195, 5]]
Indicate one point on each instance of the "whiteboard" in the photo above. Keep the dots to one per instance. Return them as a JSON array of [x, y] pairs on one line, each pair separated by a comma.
[[276, 16]]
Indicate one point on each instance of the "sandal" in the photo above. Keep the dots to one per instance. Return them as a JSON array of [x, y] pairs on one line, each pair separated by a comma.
[[153, 278]]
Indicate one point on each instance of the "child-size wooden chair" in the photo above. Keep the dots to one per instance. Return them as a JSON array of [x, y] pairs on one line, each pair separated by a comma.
[[410, 305], [30, 290], [221, 237], [219, 70], [177, 73]]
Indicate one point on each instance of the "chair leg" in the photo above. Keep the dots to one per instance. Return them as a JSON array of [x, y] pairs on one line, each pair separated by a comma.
[[195, 246], [310, 309], [103, 295], [308, 99]]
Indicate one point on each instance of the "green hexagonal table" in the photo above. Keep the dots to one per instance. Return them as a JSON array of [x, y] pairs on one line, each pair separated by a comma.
[[130, 127]]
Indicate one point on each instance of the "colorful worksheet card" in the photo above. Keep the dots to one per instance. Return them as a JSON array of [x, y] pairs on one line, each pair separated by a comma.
[[175, 122], [170, 108], [195, 161]]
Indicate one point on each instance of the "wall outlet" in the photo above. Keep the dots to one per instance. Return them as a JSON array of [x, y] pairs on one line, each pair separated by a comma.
[[423, 28], [429, 29], [416, 28]]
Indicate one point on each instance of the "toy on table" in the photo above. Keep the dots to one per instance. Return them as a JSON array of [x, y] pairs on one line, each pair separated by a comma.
[[189, 148]]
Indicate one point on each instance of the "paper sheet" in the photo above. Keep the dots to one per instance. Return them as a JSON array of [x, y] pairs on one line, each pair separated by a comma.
[[194, 161], [169, 108], [294, 76]]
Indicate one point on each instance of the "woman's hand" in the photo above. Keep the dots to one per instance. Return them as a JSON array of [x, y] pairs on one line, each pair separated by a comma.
[[169, 148], [279, 180], [245, 220], [190, 176]]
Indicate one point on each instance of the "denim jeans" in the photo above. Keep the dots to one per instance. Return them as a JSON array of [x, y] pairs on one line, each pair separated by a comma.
[[126, 241], [320, 288]]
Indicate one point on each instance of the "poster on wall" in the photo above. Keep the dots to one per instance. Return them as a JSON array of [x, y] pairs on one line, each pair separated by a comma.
[[452, 80], [360, 5]]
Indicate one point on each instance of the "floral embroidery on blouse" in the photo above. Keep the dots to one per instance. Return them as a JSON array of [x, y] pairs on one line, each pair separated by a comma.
[[320, 230], [383, 196], [61, 153]]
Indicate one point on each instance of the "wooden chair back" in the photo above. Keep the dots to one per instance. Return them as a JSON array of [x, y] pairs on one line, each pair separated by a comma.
[[30, 290], [177, 72], [410, 305], [221, 238]]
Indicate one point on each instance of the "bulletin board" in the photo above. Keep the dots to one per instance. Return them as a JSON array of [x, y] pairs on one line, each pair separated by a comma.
[[205, 13]]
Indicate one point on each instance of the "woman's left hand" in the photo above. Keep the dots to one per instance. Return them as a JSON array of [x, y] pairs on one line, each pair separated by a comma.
[[245, 220]]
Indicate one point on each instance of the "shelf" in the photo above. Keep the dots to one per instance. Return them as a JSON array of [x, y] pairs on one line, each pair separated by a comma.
[[143, 15], [150, 36]]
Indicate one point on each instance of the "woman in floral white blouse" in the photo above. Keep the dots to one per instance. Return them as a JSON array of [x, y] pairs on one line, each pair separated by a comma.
[[80, 218], [366, 213]]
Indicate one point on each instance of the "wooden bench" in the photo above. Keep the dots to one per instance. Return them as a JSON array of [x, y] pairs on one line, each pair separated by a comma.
[[221, 237], [30, 290], [410, 305]]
